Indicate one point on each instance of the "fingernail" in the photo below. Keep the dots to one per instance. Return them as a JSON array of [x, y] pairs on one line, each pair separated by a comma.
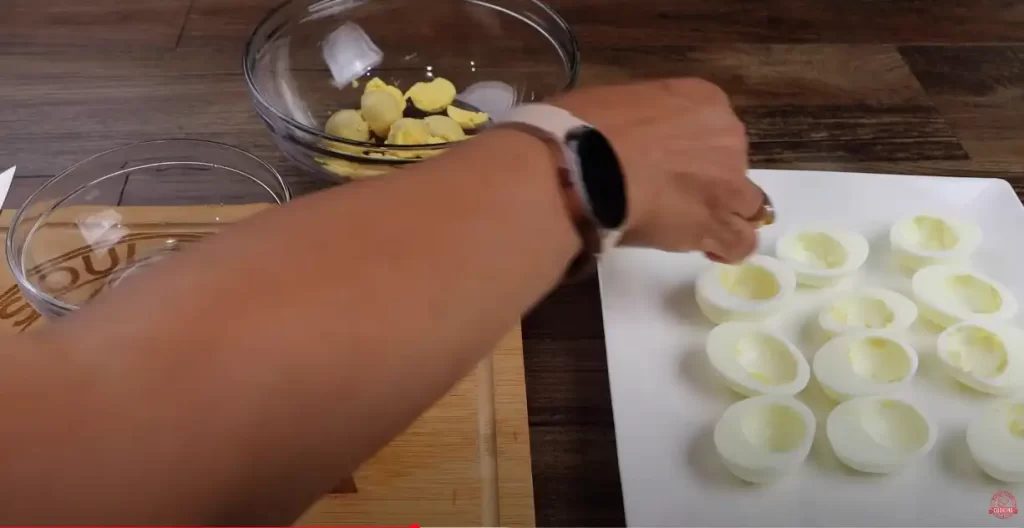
[[715, 258]]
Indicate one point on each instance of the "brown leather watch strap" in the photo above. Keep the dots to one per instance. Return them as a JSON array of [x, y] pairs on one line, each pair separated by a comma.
[[584, 262]]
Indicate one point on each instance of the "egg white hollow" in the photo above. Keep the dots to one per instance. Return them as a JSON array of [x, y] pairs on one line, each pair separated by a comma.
[[750, 291], [822, 256], [925, 239], [947, 295], [753, 359], [983, 355], [763, 438], [867, 309], [995, 438], [879, 434], [866, 363]]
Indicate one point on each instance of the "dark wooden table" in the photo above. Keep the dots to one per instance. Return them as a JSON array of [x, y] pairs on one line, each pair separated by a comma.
[[901, 86]]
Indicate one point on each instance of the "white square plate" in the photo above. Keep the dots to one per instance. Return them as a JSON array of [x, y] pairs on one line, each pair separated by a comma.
[[666, 400]]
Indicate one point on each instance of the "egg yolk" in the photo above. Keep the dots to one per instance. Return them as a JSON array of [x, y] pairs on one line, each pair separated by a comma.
[[878, 360], [348, 124], [408, 131], [749, 281], [862, 312], [445, 128], [433, 96], [380, 109], [766, 359], [934, 234], [774, 428], [977, 351], [377, 84], [467, 119], [348, 169]]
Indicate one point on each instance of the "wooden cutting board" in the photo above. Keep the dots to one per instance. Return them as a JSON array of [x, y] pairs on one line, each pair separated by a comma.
[[465, 462]]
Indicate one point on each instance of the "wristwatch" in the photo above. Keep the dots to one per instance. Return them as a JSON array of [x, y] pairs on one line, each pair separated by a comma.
[[589, 172]]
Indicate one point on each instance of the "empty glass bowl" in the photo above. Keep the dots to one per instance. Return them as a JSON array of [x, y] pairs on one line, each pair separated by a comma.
[[310, 58], [108, 217]]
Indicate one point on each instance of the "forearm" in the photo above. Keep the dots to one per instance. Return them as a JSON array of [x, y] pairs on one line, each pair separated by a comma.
[[260, 367]]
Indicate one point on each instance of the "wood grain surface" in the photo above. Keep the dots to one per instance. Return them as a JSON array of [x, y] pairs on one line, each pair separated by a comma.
[[465, 462], [901, 86]]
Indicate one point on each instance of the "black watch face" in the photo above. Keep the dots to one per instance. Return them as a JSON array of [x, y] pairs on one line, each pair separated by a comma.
[[603, 180]]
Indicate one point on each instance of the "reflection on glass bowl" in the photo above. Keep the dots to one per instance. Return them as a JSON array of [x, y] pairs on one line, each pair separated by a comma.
[[111, 216], [310, 59]]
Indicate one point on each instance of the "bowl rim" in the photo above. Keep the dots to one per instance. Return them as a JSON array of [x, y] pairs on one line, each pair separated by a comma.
[[14, 263], [249, 51]]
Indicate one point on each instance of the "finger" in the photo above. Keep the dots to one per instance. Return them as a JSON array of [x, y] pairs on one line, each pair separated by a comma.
[[732, 240], [745, 198], [723, 176], [728, 233]]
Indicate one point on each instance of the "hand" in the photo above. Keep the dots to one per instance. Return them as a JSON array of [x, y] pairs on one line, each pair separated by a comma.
[[684, 154]]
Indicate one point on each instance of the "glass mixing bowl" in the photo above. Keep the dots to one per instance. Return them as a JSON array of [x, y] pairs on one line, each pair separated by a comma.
[[108, 217], [310, 58]]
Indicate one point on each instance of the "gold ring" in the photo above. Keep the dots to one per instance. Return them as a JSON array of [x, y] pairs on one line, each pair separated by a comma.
[[765, 215]]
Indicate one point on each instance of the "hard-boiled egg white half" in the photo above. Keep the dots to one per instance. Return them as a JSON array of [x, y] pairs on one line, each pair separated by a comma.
[[867, 309], [986, 356], [995, 438], [822, 256], [947, 295], [867, 363], [749, 291], [921, 240], [879, 434], [763, 438], [753, 360]]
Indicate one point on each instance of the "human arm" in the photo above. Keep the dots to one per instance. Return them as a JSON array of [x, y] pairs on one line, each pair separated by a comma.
[[251, 385]]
